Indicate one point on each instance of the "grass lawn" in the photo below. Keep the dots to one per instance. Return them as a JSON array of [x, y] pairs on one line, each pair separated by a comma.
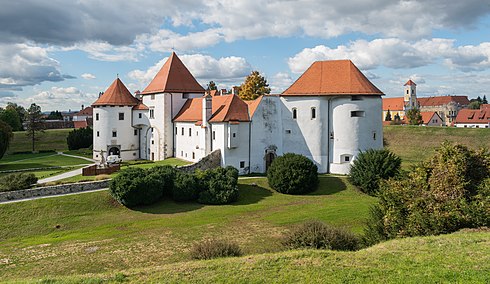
[[461, 257], [40, 160], [90, 233], [417, 143], [52, 139]]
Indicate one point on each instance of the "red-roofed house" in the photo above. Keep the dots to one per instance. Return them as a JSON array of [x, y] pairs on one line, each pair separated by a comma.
[[83, 118], [431, 118], [328, 114], [474, 118]]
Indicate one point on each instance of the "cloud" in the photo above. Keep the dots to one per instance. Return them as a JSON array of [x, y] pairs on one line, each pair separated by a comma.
[[166, 40], [88, 76], [103, 51], [280, 82], [58, 98], [203, 67], [397, 53], [27, 65]]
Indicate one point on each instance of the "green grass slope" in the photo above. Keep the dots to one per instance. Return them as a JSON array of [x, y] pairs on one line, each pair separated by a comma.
[[90, 233], [416, 143], [51, 139], [462, 257]]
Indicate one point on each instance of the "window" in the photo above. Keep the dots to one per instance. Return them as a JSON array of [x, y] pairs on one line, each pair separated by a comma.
[[114, 133], [288, 131], [176, 132], [313, 113], [140, 115], [182, 153], [242, 164], [193, 155], [346, 158], [374, 135], [121, 116], [408, 92], [356, 98], [136, 132], [152, 113], [412, 92], [152, 142], [197, 133], [98, 133], [234, 135], [214, 135], [190, 131], [357, 113], [295, 113], [96, 116], [152, 97], [182, 131]]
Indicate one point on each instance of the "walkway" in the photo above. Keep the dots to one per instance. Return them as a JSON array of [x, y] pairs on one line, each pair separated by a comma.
[[67, 174]]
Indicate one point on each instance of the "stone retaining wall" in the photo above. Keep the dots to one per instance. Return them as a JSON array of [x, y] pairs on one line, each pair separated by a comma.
[[53, 190], [211, 161]]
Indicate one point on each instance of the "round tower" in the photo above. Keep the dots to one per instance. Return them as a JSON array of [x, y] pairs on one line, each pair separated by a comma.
[[113, 130]]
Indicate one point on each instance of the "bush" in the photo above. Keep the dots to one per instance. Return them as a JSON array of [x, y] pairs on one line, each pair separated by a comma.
[[318, 235], [447, 193], [186, 187], [218, 186], [5, 137], [80, 138], [293, 174], [134, 186], [372, 166], [164, 175], [17, 181], [215, 248]]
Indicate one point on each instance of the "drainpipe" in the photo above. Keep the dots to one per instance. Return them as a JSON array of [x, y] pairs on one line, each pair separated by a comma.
[[328, 134], [249, 143]]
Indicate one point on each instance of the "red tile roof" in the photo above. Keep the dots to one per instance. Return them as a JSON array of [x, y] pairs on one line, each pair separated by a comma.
[[88, 111], [427, 116], [80, 124], [224, 108], [410, 83], [252, 105], [116, 95], [443, 100], [140, 106], [173, 77], [332, 78], [474, 116], [393, 104]]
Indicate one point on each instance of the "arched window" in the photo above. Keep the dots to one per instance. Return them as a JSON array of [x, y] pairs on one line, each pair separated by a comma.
[[313, 113], [295, 113]]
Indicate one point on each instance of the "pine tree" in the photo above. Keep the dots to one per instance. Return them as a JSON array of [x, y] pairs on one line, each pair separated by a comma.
[[34, 123], [414, 117], [479, 99], [484, 101], [388, 116], [254, 86]]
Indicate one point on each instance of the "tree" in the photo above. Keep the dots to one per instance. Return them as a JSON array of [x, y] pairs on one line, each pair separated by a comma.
[[80, 138], [484, 101], [478, 99], [55, 115], [5, 137], [474, 105], [11, 117], [414, 117], [388, 116], [34, 123], [212, 86], [21, 111], [254, 86]]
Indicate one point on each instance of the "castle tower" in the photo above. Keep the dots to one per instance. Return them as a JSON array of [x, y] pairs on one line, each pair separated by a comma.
[[113, 131], [410, 95]]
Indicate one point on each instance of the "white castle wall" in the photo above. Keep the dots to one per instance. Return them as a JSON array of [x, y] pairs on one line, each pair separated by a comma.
[[186, 145], [108, 122], [232, 156]]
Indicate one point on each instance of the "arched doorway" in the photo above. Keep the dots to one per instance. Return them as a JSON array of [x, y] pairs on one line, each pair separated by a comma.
[[114, 151], [270, 155]]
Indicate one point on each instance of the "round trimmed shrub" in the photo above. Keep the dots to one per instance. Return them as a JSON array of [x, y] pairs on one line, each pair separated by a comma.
[[215, 248], [293, 174], [165, 176], [186, 187], [135, 186], [318, 235], [218, 186], [372, 166]]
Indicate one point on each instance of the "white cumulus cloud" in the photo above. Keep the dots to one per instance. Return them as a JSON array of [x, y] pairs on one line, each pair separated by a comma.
[[88, 76]]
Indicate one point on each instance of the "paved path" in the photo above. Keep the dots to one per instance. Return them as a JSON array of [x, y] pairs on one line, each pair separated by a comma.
[[67, 174], [50, 196], [79, 157]]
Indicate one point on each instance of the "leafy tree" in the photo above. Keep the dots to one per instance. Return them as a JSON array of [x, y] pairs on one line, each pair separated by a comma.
[[5, 137], [21, 111], [11, 117], [397, 117], [80, 138], [474, 105], [55, 115], [484, 100], [218, 186], [293, 174], [212, 86], [388, 116], [414, 117], [254, 86], [34, 123]]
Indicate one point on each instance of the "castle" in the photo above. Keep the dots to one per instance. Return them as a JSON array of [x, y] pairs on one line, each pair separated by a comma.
[[328, 114]]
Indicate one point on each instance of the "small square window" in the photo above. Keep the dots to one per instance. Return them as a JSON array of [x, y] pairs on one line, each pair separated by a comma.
[[346, 158], [121, 116], [288, 131], [114, 133], [136, 132], [242, 164], [357, 113]]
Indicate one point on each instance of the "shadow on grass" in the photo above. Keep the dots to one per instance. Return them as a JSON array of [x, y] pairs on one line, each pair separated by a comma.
[[248, 194], [329, 185]]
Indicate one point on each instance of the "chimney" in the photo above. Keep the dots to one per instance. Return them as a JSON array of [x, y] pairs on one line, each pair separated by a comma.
[[222, 92], [82, 107], [206, 109], [234, 90]]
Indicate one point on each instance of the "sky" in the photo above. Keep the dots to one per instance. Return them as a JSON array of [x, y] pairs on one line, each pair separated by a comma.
[[60, 54]]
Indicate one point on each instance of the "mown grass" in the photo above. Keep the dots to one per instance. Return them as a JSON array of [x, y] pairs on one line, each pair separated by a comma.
[[461, 257], [51, 139], [417, 143], [40, 161], [90, 233]]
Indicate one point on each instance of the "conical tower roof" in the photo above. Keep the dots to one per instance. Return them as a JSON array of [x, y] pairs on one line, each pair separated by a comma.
[[117, 95], [173, 77], [332, 78]]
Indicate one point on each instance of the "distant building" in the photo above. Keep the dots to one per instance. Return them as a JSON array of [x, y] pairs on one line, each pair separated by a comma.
[[474, 118], [431, 118], [447, 107], [83, 118]]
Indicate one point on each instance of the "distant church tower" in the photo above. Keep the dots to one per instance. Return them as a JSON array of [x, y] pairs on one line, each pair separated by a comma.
[[410, 95]]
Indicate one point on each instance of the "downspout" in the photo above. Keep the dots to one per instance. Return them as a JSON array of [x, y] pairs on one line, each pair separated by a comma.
[[173, 126], [328, 135], [249, 144]]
